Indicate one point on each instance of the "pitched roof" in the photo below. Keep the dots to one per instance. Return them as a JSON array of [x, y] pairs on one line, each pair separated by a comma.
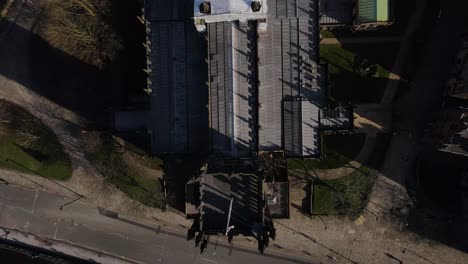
[[288, 69], [216, 191], [232, 83]]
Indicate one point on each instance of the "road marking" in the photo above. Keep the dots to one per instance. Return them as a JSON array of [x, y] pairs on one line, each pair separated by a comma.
[[26, 226], [56, 229], [209, 260], [34, 203], [17, 208]]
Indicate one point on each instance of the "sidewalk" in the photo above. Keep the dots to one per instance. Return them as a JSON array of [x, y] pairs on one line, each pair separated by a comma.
[[61, 247], [85, 231]]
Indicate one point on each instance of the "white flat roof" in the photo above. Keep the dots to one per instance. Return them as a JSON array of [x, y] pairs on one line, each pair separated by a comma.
[[230, 10]]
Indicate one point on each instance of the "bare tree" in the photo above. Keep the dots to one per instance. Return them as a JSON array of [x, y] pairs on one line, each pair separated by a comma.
[[92, 141], [79, 28], [26, 138]]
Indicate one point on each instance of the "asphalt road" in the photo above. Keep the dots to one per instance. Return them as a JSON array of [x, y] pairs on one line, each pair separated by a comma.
[[39, 213]]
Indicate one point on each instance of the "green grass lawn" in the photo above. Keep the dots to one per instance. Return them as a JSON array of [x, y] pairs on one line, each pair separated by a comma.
[[42, 155], [327, 34], [104, 153], [346, 84], [347, 195], [338, 150]]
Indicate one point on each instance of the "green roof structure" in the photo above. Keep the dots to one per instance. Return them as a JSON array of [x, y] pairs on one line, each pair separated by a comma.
[[371, 11]]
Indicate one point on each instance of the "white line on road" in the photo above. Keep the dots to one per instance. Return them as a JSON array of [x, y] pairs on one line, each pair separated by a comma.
[[87, 226], [56, 228], [98, 250], [34, 203], [209, 260], [16, 207]]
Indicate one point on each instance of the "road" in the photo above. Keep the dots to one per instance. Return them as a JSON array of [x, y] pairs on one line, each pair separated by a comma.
[[39, 213]]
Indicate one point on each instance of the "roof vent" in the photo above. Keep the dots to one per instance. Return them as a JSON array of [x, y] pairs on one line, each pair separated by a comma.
[[256, 6], [205, 8]]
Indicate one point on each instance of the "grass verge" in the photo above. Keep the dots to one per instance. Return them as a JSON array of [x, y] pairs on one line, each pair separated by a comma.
[[107, 156], [28, 145], [347, 84], [338, 150], [327, 34], [344, 196]]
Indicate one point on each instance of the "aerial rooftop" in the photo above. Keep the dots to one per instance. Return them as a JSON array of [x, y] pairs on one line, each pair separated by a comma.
[[267, 88], [229, 10]]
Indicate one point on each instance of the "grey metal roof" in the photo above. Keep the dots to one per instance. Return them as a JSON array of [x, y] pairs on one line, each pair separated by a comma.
[[270, 89], [288, 58], [217, 189], [232, 82], [336, 12], [288, 74], [168, 10], [178, 118], [169, 87], [290, 8], [337, 118], [310, 125], [292, 128], [301, 128], [245, 87], [220, 83]]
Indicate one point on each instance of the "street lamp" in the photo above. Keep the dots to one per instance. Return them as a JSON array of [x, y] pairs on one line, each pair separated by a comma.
[[228, 228]]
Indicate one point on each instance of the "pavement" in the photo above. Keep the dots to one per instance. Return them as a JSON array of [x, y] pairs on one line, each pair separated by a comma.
[[107, 237]]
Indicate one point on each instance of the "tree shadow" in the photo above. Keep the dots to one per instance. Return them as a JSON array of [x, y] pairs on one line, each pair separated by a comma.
[[84, 89], [440, 213], [37, 155], [178, 170]]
